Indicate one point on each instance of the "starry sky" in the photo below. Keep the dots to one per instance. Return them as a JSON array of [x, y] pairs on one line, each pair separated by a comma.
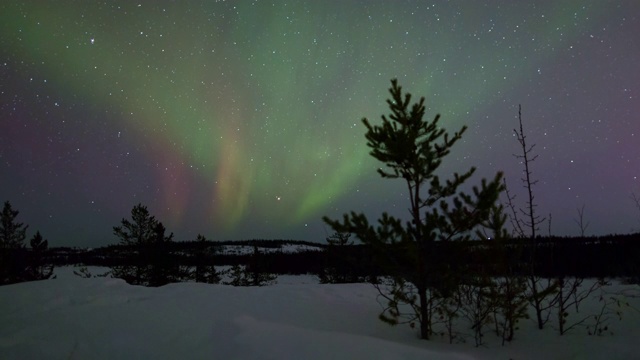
[[242, 119]]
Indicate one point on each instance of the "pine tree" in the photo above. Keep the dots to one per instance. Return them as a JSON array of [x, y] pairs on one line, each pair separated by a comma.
[[162, 268], [38, 269], [142, 230], [254, 273], [205, 270], [339, 266], [237, 276], [12, 233], [148, 246], [413, 149], [13, 256], [509, 288], [256, 270]]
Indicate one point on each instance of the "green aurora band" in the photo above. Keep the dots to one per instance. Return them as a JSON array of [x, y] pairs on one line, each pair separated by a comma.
[[257, 100]]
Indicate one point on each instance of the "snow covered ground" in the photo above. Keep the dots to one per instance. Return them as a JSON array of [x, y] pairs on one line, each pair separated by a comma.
[[103, 318], [248, 249]]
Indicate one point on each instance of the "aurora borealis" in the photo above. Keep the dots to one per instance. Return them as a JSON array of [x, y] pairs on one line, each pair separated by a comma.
[[242, 119]]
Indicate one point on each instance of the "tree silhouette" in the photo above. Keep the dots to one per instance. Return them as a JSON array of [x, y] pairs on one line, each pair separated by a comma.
[[636, 201], [17, 263], [412, 149], [539, 292], [13, 257], [581, 222], [142, 230], [254, 273], [205, 270], [12, 233], [338, 262], [507, 288], [148, 247], [38, 269]]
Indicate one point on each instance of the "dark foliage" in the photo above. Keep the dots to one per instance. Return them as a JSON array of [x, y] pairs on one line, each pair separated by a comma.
[[12, 233], [412, 150], [18, 263], [254, 273], [149, 262], [205, 270], [589, 257], [341, 264], [38, 269]]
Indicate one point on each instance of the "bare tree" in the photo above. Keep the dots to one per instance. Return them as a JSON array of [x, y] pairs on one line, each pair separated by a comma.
[[531, 221], [580, 221], [570, 294], [516, 224]]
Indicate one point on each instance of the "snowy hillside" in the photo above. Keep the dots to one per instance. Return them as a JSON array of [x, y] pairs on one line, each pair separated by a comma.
[[104, 318], [243, 249]]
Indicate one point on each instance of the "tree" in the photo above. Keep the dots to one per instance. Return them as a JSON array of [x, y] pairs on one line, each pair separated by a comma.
[[38, 269], [413, 149], [148, 244], [12, 233], [205, 271], [532, 220], [570, 293], [141, 231], [539, 292], [17, 263], [13, 256], [339, 265], [256, 269], [161, 267], [580, 221], [477, 304], [237, 276], [507, 287], [636, 201], [252, 274]]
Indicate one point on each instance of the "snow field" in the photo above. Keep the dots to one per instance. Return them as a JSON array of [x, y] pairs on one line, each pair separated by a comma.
[[103, 318]]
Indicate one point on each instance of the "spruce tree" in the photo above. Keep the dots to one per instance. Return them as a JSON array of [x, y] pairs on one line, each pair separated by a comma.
[[412, 149], [12, 233]]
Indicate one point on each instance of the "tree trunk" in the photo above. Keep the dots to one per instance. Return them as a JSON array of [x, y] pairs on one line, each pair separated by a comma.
[[561, 305], [425, 318], [536, 301]]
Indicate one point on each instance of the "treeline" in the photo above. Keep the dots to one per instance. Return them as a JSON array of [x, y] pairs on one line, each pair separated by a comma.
[[146, 246], [192, 253], [603, 256]]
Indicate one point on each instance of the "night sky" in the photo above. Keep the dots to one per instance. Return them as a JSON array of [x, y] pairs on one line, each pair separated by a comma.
[[242, 119]]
